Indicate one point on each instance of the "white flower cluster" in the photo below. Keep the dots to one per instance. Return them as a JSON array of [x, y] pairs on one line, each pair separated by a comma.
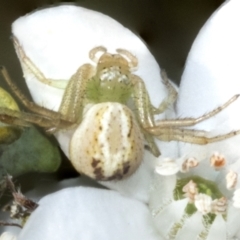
[[204, 193], [196, 196]]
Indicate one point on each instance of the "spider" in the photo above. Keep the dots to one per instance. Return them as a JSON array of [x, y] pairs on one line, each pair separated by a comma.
[[110, 111]]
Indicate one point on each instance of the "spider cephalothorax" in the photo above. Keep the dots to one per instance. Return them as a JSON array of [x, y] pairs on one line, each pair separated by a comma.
[[112, 79]]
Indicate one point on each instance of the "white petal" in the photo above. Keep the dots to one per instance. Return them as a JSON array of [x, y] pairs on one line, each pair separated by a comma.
[[7, 236], [212, 77], [192, 228], [218, 229], [233, 224], [43, 188], [170, 215], [161, 192], [137, 185], [88, 213]]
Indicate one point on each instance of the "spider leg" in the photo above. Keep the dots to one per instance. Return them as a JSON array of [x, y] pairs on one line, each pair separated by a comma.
[[191, 136], [27, 64], [24, 100], [171, 97], [72, 104], [40, 111], [74, 97], [23, 119], [144, 111], [187, 122]]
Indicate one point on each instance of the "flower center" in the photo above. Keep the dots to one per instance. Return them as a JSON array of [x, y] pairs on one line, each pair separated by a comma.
[[203, 195]]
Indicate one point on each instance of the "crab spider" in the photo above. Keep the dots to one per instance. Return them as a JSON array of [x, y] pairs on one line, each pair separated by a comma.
[[108, 139]]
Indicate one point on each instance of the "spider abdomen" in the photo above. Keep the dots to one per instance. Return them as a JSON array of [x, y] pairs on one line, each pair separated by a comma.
[[108, 144]]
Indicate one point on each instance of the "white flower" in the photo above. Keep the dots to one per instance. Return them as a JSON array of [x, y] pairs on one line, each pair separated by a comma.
[[198, 196], [89, 213]]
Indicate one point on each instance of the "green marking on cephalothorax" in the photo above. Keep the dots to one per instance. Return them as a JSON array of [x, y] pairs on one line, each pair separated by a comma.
[[109, 90]]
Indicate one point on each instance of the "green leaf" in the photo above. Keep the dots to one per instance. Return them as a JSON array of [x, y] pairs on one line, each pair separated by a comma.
[[32, 152]]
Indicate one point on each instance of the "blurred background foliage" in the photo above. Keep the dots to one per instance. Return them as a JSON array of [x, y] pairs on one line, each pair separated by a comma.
[[168, 27], [24, 149], [31, 152]]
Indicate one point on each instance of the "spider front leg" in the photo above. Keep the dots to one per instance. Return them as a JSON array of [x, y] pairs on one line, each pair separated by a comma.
[[171, 96], [191, 136], [144, 111], [171, 130], [188, 122], [27, 64], [72, 104], [24, 100], [70, 111], [24, 119], [41, 116]]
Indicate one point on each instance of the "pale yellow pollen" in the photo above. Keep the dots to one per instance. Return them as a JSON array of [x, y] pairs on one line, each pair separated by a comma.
[[190, 190], [219, 205], [189, 163], [217, 160], [236, 198], [231, 179], [203, 203]]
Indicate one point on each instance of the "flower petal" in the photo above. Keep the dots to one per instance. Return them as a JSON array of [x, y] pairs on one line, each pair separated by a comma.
[[192, 228], [211, 77], [166, 219], [137, 185], [88, 213], [218, 229], [162, 191], [7, 236], [233, 224]]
